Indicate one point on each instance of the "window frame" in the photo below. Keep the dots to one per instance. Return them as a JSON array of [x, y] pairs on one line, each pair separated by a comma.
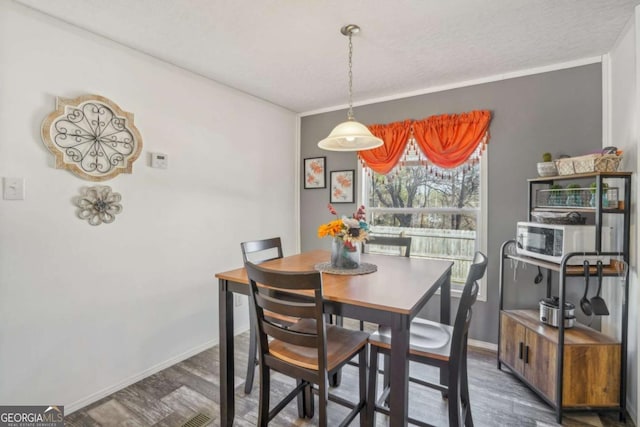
[[482, 217]]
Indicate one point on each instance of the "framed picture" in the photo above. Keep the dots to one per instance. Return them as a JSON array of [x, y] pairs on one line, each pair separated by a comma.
[[342, 186], [315, 172]]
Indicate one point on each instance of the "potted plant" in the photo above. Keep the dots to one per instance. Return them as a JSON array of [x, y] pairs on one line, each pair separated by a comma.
[[605, 199], [555, 195], [573, 196], [547, 167]]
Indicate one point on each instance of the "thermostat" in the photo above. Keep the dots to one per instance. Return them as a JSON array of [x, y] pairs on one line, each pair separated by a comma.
[[159, 160]]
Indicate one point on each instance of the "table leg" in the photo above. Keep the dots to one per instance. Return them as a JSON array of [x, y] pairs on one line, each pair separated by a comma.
[[445, 317], [399, 397], [227, 386]]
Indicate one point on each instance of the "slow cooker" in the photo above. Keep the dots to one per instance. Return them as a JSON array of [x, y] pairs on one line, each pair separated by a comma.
[[550, 312]]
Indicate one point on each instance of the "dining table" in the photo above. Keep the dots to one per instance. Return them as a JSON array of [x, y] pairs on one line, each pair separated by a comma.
[[392, 295]]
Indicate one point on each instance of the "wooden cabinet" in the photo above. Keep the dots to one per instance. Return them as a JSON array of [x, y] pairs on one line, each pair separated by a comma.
[[591, 373]]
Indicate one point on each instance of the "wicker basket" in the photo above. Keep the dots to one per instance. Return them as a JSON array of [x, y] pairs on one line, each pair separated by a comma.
[[568, 218], [588, 163]]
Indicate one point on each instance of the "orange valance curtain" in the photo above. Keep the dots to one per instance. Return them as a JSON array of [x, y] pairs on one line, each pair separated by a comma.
[[449, 140], [395, 137]]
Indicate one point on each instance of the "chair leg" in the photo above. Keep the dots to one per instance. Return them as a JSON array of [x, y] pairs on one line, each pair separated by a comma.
[[300, 400], [455, 407], [336, 379], [265, 387], [252, 358], [373, 379], [466, 402], [309, 402], [362, 370], [323, 398], [386, 376]]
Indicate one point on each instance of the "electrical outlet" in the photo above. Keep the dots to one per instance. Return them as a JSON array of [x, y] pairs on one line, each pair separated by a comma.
[[237, 300]]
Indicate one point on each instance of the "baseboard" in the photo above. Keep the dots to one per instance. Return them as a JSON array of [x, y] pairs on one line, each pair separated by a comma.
[[483, 345], [94, 397], [631, 412]]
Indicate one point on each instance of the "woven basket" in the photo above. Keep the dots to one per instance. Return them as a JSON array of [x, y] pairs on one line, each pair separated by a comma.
[[588, 163], [569, 218]]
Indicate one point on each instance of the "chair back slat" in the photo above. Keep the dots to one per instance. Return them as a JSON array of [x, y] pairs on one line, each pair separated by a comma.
[[259, 251], [283, 283], [400, 242], [287, 335], [292, 308]]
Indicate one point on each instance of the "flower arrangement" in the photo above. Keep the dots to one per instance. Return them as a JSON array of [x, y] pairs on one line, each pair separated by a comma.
[[351, 231]]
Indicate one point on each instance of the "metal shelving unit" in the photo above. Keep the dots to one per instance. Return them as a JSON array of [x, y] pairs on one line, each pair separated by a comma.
[[565, 271]]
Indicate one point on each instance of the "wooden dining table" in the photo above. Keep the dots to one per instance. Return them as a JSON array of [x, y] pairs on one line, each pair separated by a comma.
[[393, 295]]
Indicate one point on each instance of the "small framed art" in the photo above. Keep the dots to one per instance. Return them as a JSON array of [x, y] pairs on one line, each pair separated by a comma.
[[315, 172], [342, 186]]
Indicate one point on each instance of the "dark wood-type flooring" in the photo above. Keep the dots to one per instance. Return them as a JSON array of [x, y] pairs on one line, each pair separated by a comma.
[[174, 395]]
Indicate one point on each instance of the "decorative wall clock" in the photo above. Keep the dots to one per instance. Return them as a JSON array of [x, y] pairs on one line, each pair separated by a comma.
[[92, 137]]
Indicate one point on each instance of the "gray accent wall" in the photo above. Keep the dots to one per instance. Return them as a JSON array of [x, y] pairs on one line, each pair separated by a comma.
[[558, 111]]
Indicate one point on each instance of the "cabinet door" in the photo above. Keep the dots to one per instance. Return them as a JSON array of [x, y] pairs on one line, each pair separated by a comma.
[[512, 343], [540, 363]]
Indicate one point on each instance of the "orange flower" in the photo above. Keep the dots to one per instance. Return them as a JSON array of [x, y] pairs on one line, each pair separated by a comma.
[[332, 228], [316, 167], [343, 180]]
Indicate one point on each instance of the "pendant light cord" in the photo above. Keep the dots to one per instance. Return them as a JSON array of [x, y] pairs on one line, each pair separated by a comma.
[[350, 113]]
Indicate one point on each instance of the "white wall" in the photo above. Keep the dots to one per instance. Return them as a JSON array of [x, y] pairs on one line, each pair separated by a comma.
[[621, 129], [83, 309]]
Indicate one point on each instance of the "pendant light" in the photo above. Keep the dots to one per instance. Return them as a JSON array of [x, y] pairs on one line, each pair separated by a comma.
[[350, 135]]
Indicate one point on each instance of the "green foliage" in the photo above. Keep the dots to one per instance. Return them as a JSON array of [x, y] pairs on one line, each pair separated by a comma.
[[546, 157], [593, 186], [573, 188]]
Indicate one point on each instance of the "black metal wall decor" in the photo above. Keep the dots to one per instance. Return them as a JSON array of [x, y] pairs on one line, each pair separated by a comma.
[[98, 204], [92, 137]]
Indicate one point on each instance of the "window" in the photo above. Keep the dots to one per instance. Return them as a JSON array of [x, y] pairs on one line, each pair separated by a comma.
[[441, 210]]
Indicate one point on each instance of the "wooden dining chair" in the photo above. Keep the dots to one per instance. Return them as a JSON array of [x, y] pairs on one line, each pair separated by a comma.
[[437, 345], [259, 251], [309, 350], [404, 249], [402, 243]]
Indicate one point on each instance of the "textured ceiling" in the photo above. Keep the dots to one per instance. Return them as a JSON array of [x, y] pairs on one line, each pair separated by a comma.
[[291, 53]]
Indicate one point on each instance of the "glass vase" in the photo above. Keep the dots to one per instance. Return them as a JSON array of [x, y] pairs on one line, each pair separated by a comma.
[[344, 256]]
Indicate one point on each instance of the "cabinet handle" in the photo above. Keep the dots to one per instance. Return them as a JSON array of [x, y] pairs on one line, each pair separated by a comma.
[[520, 349], [526, 354]]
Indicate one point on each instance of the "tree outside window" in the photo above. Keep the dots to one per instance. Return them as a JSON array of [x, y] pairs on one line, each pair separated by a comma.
[[438, 208]]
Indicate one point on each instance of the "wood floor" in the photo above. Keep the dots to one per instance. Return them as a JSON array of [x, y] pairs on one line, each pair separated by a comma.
[[171, 397]]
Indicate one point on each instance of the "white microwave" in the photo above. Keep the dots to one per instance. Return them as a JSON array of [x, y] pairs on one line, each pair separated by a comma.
[[550, 242]]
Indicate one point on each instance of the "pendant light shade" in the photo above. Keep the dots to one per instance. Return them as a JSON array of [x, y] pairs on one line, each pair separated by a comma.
[[350, 135]]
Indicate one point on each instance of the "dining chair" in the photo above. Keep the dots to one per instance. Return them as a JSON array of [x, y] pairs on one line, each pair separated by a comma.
[[309, 350], [259, 251], [399, 242], [402, 243], [437, 345]]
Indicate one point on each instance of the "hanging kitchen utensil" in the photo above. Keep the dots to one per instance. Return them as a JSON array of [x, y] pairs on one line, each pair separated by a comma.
[[538, 277], [597, 303], [585, 304]]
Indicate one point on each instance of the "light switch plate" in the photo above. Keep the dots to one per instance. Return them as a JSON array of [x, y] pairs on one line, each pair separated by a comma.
[[13, 188], [159, 161]]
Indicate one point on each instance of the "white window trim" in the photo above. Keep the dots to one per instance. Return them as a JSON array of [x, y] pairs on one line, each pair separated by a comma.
[[482, 236]]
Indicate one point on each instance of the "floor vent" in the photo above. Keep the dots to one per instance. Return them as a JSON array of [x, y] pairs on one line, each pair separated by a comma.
[[198, 420]]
